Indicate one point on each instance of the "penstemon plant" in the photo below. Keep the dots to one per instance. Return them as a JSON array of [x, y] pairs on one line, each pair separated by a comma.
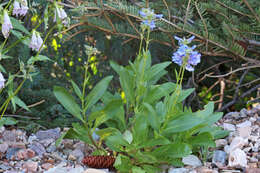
[[12, 26], [149, 126]]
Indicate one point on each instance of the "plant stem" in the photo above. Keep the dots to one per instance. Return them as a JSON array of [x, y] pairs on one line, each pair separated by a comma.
[[10, 97]]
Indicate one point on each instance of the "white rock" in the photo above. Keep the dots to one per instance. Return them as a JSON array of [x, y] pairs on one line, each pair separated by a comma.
[[237, 157], [229, 127], [91, 170], [252, 119], [254, 138], [178, 170], [192, 160], [237, 142], [227, 149], [244, 132], [221, 142], [244, 124]]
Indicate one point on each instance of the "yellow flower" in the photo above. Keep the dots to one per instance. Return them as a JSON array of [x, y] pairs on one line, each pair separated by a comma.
[[93, 67], [92, 59], [60, 36], [34, 19], [79, 59], [71, 63], [123, 96], [54, 44], [68, 74]]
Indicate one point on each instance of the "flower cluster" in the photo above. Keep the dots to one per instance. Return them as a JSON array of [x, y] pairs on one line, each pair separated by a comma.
[[7, 25], [61, 14], [2, 81], [186, 55], [20, 8], [148, 18], [36, 41]]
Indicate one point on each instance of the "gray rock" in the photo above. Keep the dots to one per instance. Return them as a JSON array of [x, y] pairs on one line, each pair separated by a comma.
[[232, 115], [32, 139], [243, 113], [219, 158], [62, 169], [5, 167], [47, 134], [51, 148], [11, 152], [229, 127], [38, 148], [3, 147], [9, 136], [47, 142], [244, 124], [191, 160], [178, 170], [76, 155]]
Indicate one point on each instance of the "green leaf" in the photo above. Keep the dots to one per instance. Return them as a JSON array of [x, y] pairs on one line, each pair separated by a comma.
[[68, 102], [123, 163], [183, 123], [155, 142], [127, 81], [108, 112], [202, 139], [128, 136], [104, 133], [184, 94], [208, 110], [158, 91], [19, 102], [20, 36], [59, 140], [116, 142], [7, 121], [17, 25], [38, 58], [152, 117], [155, 70], [151, 169], [175, 150], [161, 111], [136, 169], [97, 92], [76, 89], [140, 129]]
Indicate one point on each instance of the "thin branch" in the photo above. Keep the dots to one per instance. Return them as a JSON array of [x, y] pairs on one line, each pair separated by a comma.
[[186, 14], [204, 24], [168, 10], [235, 96], [252, 10], [231, 72]]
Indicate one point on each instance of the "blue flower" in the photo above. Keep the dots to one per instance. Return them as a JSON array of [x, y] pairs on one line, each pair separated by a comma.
[[186, 54], [182, 41], [148, 18]]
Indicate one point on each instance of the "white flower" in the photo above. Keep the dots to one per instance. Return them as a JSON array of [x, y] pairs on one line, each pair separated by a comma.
[[61, 14], [16, 8], [20, 8], [7, 25], [2, 81], [24, 8], [36, 41]]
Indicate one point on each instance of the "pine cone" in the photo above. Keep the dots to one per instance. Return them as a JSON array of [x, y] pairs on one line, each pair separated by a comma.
[[99, 161]]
